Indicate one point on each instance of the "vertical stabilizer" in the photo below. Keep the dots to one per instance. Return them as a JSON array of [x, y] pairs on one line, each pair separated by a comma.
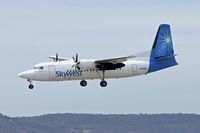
[[162, 53]]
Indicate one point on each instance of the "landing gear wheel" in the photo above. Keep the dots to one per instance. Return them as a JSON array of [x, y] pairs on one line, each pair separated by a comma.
[[30, 86], [83, 83], [103, 83]]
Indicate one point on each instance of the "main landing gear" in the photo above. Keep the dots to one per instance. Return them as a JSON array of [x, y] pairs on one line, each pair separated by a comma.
[[83, 83], [103, 83], [31, 86]]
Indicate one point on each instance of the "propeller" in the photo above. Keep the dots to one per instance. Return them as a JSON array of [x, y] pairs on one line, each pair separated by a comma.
[[56, 59], [76, 60]]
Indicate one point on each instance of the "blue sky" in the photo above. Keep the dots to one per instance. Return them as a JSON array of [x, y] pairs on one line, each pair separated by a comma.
[[33, 30]]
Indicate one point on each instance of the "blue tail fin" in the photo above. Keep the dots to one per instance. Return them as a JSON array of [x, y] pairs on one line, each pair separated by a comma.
[[162, 53]]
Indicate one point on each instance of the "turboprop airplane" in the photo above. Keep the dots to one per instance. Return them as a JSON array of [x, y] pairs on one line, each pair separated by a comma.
[[161, 56]]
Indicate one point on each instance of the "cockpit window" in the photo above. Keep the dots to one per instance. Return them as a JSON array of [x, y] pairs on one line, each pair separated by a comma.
[[40, 67]]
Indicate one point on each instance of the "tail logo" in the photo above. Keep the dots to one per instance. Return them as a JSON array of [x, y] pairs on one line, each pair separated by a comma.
[[166, 42]]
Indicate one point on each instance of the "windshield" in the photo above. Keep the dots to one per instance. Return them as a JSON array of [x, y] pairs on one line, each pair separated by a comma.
[[39, 67]]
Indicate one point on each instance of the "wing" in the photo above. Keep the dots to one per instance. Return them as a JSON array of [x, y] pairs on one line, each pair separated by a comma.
[[113, 63], [114, 60]]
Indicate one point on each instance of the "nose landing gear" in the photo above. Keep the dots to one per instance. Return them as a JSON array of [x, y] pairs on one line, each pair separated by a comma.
[[31, 86]]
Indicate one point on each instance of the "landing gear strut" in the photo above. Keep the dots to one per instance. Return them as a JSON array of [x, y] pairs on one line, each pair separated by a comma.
[[103, 83], [83, 83], [30, 86]]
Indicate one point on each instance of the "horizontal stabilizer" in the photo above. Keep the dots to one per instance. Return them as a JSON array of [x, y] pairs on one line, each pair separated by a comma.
[[142, 54], [165, 57]]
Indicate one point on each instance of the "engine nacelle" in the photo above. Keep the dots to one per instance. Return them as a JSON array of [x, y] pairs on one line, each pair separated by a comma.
[[87, 65]]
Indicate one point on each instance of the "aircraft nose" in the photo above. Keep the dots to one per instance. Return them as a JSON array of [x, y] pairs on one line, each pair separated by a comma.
[[26, 75], [21, 75]]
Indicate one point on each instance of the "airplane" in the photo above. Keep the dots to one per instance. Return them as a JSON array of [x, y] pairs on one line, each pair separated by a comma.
[[161, 56]]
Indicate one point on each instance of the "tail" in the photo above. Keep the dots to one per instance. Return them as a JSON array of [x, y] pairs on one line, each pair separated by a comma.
[[162, 53]]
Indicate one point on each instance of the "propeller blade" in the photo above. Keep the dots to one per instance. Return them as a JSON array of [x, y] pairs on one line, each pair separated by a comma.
[[78, 67], [76, 57], [56, 57]]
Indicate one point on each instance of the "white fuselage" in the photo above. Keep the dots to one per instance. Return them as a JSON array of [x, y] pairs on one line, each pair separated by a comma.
[[60, 71]]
